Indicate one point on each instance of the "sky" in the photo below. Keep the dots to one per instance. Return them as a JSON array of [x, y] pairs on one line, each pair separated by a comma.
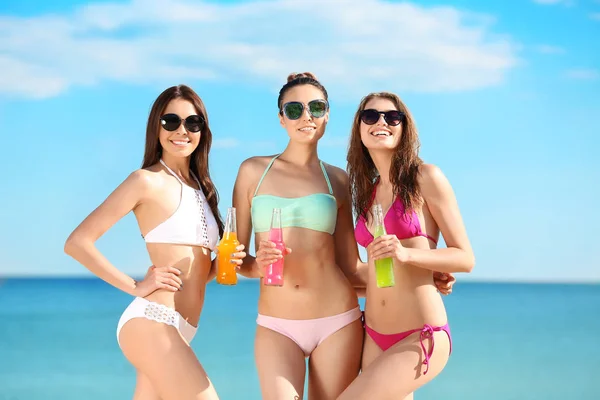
[[506, 97]]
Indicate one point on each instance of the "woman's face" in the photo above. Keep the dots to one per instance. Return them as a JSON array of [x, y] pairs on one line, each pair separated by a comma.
[[380, 124], [180, 128], [305, 113]]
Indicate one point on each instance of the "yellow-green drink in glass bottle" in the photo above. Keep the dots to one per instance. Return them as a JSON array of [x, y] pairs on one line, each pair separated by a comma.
[[384, 268]]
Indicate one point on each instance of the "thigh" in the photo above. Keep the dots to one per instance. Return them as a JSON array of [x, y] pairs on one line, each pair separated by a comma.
[[160, 353], [335, 363], [144, 390], [398, 372], [370, 352], [281, 365]]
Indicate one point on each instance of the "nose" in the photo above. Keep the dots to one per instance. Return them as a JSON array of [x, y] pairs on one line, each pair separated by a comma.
[[181, 129], [381, 120], [306, 114]]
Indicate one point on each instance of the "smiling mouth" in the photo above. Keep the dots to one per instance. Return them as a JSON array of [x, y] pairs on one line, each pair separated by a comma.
[[307, 129], [381, 133], [180, 142]]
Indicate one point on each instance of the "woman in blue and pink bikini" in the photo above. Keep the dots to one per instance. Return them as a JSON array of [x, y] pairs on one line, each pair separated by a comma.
[[315, 313], [402, 322]]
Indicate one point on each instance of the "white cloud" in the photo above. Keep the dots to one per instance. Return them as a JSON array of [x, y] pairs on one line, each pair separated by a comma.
[[28, 79], [225, 143], [397, 46], [587, 74], [548, 49]]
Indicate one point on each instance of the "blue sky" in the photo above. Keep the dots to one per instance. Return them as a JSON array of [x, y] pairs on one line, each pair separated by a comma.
[[506, 96]]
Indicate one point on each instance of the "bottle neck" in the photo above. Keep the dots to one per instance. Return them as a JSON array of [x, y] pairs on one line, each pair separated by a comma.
[[229, 235], [230, 229]]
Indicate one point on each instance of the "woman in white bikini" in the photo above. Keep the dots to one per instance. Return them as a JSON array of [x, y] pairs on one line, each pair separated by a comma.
[[175, 204]]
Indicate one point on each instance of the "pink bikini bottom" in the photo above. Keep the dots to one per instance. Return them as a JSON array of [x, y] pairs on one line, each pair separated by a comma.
[[385, 341], [309, 333]]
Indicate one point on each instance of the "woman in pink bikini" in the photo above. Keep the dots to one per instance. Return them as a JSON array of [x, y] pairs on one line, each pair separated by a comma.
[[402, 322]]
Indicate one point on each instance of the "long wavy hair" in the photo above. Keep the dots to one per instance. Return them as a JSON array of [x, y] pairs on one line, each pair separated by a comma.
[[199, 157], [362, 173]]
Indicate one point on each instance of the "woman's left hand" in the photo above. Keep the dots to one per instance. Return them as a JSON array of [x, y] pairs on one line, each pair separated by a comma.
[[237, 258], [443, 282], [388, 246]]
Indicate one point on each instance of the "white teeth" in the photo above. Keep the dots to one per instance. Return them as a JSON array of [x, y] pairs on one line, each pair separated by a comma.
[[381, 133], [308, 128], [179, 142]]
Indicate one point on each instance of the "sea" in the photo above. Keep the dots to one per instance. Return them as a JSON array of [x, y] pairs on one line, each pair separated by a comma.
[[511, 341]]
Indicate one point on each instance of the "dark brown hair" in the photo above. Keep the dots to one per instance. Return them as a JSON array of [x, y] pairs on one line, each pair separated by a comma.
[[405, 162], [199, 158], [294, 79]]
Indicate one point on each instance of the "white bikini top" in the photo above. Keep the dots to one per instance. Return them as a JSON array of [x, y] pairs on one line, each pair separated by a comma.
[[192, 223]]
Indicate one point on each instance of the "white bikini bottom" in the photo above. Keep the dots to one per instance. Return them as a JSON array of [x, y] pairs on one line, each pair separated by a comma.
[[142, 308]]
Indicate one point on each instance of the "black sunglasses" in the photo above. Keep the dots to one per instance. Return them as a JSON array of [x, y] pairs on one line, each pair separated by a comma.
[[171, 122], [316, 108], [371, 116]]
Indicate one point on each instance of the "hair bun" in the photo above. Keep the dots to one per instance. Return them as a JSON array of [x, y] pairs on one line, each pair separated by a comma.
[[308, 75]]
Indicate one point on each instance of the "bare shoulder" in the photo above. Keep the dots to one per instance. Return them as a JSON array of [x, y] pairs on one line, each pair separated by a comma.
[[142, 179], [253, 166], [250, 172], [432, 180], [147, 180], [337, 176], [339, 180]]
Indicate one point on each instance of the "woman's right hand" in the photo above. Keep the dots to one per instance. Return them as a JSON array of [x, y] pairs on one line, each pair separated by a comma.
[[267, 254], [159, 278]]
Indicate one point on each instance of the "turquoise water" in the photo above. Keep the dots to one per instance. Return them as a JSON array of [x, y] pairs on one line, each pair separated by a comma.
[[511, 341]]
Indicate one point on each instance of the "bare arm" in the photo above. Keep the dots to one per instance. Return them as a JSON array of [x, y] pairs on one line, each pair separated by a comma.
[[346, 249], [81, 243], [440, 199], [242, 195]]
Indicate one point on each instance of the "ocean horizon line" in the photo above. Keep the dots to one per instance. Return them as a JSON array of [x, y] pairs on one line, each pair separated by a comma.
[[460, 280]]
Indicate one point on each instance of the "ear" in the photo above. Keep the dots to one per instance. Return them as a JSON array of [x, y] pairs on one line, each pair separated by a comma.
[[281, 119]]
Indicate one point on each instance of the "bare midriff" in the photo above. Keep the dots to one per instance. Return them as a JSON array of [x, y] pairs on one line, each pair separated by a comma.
[[194, 263], [314, 285], [411, 303]]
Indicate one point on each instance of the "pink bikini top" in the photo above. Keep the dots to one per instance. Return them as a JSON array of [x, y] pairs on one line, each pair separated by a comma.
[[397, 222]]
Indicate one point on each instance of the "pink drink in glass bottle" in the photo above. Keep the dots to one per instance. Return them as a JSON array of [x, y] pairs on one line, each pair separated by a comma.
[[274, 273]]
